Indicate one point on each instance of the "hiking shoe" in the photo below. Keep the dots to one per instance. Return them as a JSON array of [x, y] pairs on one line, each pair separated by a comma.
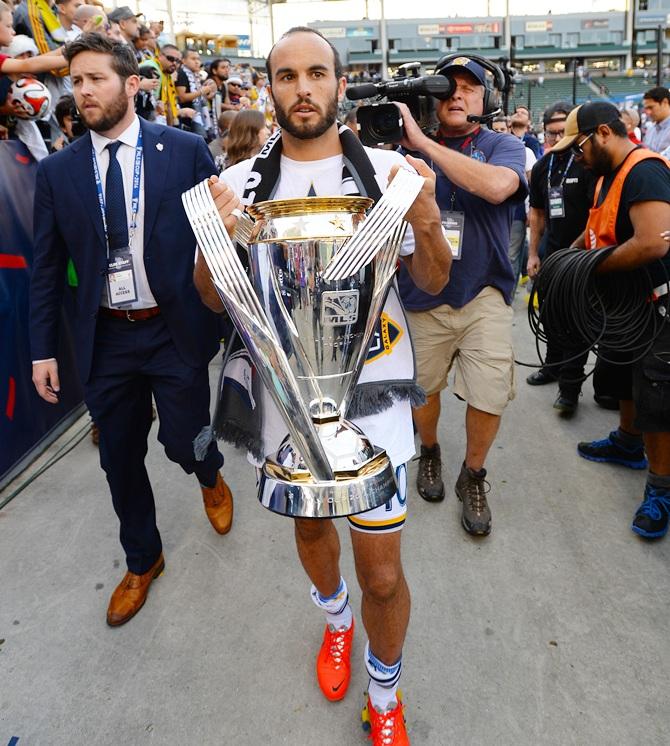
[[651, 518], [429, 478], [388, 728], [540, 378], [333, 665], [471, 489], [611, 450], [566, 405]]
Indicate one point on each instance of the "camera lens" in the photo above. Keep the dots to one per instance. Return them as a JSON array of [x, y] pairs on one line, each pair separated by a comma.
[[384, 123], [379, 123]]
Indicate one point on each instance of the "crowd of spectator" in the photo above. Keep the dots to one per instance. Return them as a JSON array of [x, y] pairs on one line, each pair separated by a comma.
[[177, 88]]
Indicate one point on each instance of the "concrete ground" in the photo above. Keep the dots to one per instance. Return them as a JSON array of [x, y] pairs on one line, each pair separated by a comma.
[[554, 630]]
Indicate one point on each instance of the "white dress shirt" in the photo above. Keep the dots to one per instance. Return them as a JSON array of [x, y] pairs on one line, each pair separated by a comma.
[[126, 157]]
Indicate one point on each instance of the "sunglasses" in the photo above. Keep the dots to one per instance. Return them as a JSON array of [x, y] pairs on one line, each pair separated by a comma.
[[578, 147], [553, 135], [171, 58]]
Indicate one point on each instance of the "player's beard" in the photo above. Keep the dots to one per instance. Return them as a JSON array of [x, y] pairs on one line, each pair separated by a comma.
[[306, 131], [110, 116]]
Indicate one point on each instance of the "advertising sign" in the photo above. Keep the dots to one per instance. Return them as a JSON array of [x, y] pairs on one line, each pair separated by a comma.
[[538, 26], [455, 29]]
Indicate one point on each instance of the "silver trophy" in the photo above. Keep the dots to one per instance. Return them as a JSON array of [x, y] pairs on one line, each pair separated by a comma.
[[320, 273]]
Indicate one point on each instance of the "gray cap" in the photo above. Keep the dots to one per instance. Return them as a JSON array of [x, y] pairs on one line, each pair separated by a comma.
[[122, 14]]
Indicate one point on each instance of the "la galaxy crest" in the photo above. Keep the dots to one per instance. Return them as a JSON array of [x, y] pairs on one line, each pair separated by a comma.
[[386, 336]]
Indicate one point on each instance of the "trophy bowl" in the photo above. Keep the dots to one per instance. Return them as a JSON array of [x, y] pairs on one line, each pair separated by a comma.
[[323, 329]]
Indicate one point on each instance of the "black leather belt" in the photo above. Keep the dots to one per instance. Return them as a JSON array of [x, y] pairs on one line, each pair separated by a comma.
[[138, 314]]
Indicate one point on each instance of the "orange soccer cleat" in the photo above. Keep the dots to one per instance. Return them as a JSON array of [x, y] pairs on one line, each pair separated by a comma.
[[387, 729], [333, 666]]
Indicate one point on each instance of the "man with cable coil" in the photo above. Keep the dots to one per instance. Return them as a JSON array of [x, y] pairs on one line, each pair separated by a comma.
[[631, 208], [561, 191]]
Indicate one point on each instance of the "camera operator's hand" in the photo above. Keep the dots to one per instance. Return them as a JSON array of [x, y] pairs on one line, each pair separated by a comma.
[[414, 138]]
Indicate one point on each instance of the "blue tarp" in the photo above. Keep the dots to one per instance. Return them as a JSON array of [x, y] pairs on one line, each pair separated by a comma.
[[25, 419]]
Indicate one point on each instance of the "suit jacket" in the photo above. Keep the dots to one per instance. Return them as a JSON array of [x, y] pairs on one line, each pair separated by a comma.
[[68, 223]]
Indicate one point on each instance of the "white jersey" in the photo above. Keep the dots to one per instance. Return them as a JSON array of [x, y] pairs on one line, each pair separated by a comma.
[[392, 428]]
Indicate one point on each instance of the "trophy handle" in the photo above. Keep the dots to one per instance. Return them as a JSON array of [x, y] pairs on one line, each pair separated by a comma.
[[273, 367], [380, 226], [238, 297]]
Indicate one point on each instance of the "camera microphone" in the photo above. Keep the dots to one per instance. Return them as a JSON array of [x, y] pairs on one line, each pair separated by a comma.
[[365, 90], [427, 85]]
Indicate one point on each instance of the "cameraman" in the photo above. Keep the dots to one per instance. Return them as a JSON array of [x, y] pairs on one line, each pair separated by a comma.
[[480, 180]]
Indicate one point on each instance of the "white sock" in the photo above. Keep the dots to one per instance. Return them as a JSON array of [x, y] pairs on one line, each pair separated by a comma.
[[383, 684], [337, 606]]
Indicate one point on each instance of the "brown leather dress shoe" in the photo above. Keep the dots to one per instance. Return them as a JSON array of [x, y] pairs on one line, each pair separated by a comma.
[[131, 593], [219, 505]]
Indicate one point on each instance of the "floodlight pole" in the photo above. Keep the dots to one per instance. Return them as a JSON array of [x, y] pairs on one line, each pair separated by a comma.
[[168, 6], [508, 31], [384, 42], [272, 22]]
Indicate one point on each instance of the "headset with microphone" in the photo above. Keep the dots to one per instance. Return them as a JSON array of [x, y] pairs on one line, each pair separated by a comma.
[[492, 88]]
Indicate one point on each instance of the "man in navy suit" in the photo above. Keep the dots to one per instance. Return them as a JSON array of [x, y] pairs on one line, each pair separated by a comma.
[[111, 202]]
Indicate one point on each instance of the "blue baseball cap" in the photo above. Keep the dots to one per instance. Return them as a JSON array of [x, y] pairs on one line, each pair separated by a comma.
[[462, 63]]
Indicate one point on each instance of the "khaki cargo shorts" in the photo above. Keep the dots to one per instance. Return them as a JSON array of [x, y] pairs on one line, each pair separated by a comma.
[[476, 341]]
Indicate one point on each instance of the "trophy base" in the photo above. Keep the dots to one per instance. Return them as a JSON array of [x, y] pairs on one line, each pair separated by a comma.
[[364, 478]]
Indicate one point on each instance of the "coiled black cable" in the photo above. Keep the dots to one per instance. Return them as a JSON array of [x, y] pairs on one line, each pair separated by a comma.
[[580, 309]]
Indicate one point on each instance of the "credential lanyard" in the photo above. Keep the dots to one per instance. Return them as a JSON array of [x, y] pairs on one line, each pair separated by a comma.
[[565, 173], [135, 200]]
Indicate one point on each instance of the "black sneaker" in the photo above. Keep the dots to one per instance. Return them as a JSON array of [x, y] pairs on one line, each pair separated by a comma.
[[429, 478], [471, 489], [566, 405], [540, 378], [611, 450], [651, 518]]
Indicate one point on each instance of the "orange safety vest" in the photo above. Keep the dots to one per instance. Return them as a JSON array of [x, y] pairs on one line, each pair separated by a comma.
[[601, 225]]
